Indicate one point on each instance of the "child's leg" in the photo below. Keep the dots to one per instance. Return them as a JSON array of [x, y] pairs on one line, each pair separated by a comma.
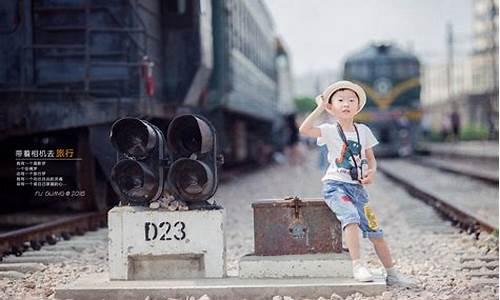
[[382, 251], [352, 240], [337, 197], [394, 277], [359, 271]]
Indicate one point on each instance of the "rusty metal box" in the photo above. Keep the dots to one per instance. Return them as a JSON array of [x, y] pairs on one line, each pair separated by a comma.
[[294, 226]]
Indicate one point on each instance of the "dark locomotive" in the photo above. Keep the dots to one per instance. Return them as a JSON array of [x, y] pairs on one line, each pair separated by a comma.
[[391, 79], [69, 69]]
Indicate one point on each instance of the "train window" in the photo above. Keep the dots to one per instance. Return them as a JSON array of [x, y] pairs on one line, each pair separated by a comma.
[[407, 69], [179, 13], [10, 16], [178, 7], [413, 69], [383, 69], [203, 7], [359, 70], [347, 70], [401, 70]]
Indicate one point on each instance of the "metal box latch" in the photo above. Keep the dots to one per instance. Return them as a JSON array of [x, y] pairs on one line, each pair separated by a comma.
[[297, 228]]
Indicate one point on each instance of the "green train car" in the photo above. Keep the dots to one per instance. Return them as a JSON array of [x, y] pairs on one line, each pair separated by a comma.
[[391, 78]]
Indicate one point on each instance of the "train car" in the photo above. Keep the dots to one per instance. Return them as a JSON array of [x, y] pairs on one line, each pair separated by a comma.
[[244, 83], [391, 79], [286, 104], [70, 68]]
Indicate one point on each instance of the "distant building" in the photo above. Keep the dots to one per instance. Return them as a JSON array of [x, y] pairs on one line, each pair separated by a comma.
[[437, 98], [473, 88], [485, 58]]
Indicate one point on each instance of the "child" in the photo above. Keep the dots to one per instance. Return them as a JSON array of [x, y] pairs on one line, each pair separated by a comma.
[[349, 145]]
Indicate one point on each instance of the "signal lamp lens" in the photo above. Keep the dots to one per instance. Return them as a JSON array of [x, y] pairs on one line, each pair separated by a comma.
[[133, 137], [188, 134], [192, 179], [134, 180]]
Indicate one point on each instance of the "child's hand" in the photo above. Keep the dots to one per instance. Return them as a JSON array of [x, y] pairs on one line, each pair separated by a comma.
[[320, 102], [368, 177]]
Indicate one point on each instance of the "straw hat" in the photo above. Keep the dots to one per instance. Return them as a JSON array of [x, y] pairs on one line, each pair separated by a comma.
[[344, 84]]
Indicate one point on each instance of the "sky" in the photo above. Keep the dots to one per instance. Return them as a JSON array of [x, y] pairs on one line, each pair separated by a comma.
[[321, 33]]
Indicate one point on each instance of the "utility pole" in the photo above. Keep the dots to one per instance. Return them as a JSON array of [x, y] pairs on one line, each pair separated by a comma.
[[493, 105], [449, 66]]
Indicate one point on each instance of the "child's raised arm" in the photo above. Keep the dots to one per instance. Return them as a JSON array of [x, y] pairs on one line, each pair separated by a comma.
[[306, 128]]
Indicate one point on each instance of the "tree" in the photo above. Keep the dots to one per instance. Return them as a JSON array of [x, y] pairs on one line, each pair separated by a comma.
[[304, 104]]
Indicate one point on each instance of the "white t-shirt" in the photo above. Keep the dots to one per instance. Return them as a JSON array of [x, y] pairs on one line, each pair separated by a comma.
[[338, 156]]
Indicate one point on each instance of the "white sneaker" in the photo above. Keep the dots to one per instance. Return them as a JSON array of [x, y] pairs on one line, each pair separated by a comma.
[[396, 279], [361, 273]]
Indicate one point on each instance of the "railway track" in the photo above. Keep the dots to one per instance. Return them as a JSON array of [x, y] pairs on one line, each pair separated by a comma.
[[485, 171], [481, 150], [480, 267], [470, 219], [476, 264], [468, 260], [33, 237]]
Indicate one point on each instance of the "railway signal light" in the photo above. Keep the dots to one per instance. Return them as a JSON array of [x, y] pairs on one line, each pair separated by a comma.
[[138, 176], [149, 166], [192, 148]]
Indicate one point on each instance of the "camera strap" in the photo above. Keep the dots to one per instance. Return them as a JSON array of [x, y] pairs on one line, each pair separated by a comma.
[[344, 139]]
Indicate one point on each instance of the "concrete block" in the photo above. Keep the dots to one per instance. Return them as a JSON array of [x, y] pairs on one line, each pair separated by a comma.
[[305, 265], [147, 244], [98, 286]]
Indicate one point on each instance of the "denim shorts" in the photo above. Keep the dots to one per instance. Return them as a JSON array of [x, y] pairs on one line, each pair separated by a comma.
[[349, 202]]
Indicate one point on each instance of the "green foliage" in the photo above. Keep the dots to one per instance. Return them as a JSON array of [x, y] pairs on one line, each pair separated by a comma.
[[495, 233], [473, 132], [434, 136], [467, 133], [304, 104]]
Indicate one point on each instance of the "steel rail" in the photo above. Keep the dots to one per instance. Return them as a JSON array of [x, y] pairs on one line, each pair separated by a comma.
[[15, 242], [466, 220], [483, 177]]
